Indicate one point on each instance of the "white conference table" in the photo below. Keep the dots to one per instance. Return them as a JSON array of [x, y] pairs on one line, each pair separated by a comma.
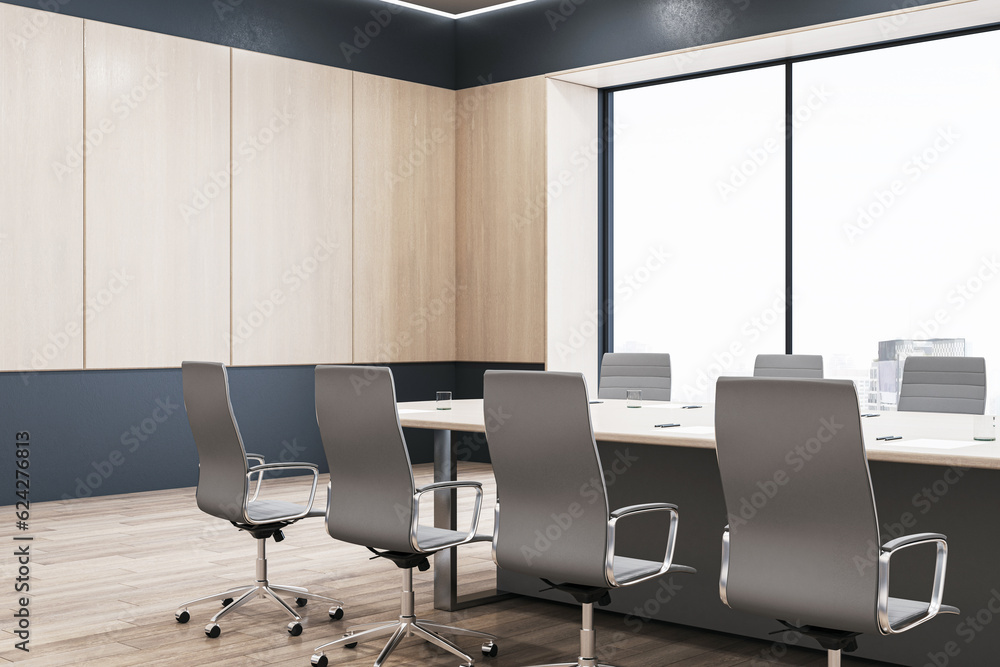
[[926, 438], [613, 422]]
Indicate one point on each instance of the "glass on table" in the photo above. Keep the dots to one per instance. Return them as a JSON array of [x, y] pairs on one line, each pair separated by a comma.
[[633, 398], [984, 428]]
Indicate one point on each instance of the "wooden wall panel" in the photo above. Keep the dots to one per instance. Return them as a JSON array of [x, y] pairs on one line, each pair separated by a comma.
[[501, 213], [41, 190], [404, 221], [292, 211], [157, 220]]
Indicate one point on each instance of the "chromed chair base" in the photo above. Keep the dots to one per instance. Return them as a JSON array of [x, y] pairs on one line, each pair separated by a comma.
[[832, 658], [399, 630], [261, 588], [588, 642], [408, 625]]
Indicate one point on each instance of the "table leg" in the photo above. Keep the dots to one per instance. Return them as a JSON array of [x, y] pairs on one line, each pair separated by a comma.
[[446, 596], [445, 516]]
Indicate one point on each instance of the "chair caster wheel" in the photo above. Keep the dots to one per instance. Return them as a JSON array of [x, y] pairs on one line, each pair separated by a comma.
[[212, 630], [294, 628], [301, 602], [227, 602], [336, 614], [318, 660], [182, 616], [490, 650]]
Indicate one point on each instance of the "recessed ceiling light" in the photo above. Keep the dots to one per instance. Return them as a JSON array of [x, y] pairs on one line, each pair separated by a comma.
[[463, 15]]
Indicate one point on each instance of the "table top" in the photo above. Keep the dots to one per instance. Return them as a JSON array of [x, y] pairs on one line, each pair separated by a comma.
[[927, 438]]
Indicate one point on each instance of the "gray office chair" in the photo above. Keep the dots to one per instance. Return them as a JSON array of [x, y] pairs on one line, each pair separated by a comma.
[[943, 384], [377, 504], [224, 480], [543, 454], [788, 366], [792, 450], [635, 370]]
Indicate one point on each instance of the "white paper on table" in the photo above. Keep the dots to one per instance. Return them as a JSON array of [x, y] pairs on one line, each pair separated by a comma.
[[689, 430], [410, 411], [928, 443]]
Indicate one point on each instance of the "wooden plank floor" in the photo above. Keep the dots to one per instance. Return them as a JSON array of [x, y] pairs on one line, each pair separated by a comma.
[[108, 573]]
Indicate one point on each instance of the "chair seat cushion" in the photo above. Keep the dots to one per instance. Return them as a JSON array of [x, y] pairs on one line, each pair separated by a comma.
[[434, 539], [629, 569], [263, 511], [901, 611]]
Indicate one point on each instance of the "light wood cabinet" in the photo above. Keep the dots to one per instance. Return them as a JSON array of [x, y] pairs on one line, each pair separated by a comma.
[[165, 199], [157, 218], [501, 213], [404, 222], [41, 190], [291, 169]]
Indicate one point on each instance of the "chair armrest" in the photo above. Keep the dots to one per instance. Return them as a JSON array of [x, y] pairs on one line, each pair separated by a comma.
[[912, 540], [260, 477], [282, 464], [445, 486], [937, 592], [635, 510], [640, 509], [724, 572], [496, 531], [259, 470]]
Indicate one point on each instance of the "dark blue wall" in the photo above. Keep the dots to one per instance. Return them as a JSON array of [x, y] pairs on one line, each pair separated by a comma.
[[80, 424], [553, 35], [108, 432], [400, 43], [525, 40]]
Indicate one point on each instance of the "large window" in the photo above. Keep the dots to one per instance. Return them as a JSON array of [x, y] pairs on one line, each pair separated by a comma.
[[894, 216], [896, 211], [699, 224]]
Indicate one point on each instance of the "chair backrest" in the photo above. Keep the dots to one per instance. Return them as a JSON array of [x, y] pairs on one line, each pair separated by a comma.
[[550, 485], [788, 366], [222, 461], [943, 384], [804, 533], [371, 482], [635, 370]]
